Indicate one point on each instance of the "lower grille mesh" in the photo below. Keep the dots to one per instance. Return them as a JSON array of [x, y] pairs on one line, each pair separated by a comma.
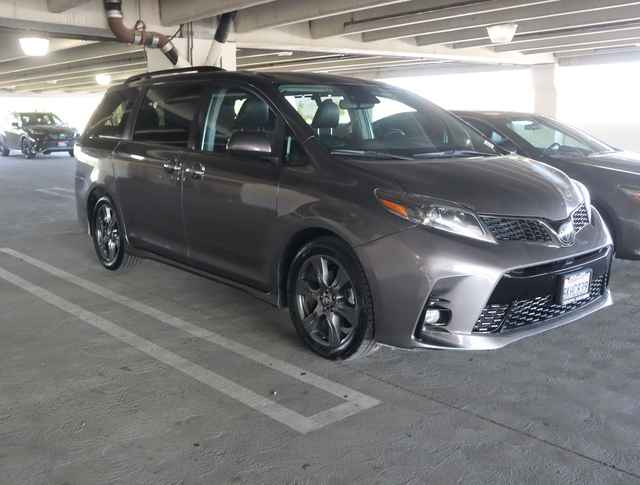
[[520, 313]]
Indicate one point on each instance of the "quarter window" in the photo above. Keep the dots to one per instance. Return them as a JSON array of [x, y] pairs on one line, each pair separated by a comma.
[[110, 119], [167, 113]]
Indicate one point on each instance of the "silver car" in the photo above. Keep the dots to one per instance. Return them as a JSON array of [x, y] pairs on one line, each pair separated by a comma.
[[373, 215]]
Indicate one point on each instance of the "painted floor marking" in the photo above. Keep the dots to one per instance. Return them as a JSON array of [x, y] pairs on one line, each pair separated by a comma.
[[62, 189], [354, 401], [54, 193]]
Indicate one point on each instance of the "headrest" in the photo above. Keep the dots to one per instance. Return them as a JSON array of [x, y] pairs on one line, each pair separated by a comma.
[[253, 115], [327, 116]]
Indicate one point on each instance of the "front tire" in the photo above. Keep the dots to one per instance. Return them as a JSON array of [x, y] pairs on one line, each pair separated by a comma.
[[27, 149], [108, 237], [330, 302]]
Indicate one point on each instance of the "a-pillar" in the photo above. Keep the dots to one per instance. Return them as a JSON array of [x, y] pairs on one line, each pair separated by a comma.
[[545, 91]]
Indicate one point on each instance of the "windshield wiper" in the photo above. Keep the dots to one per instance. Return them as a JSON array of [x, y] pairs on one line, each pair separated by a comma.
[[368, 154], [454, 154]]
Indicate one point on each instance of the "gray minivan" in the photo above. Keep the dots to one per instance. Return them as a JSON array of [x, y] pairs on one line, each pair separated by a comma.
[[373, 215]]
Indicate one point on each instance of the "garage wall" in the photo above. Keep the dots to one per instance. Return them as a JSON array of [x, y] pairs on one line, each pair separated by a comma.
[[603, 100], [75, 110], [510, 90]]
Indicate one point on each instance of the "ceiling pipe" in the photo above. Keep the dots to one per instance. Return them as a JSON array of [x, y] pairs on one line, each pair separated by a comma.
[[115, 18], [225, 22]]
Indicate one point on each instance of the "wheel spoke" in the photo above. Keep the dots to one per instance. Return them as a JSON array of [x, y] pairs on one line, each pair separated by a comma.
[[340, 280], [310, 322], [347, 313], [321, 268], [333, 330]]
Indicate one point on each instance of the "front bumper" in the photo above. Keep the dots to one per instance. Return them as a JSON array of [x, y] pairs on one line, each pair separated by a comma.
[[48, 145], [405, 270]]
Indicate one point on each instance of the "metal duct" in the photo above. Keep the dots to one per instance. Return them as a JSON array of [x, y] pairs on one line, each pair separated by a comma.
[[115, 18], [225, 22]]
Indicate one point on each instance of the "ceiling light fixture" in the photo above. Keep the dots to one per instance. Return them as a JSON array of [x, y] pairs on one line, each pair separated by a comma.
[[502, 34], [34, 46], [103, 79], [284, 54]]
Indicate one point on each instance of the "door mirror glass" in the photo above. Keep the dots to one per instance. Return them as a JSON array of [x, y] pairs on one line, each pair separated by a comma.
[[253, 144]]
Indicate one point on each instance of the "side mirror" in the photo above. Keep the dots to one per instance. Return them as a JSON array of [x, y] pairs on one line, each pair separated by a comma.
[[15, 124], [255, 145]]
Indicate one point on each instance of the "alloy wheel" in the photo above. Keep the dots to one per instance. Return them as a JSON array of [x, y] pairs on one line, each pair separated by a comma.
[[107, 233], [326, 301]]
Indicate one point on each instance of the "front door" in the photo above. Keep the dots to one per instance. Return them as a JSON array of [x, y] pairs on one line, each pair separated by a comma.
[[149, 168], [229, 200]]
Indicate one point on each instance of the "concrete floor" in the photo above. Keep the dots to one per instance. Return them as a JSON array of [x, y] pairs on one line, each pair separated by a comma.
[[81, 406]]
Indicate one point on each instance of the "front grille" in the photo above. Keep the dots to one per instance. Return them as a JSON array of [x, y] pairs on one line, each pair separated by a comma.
[[520, 313], [510, 229], [580, 218]]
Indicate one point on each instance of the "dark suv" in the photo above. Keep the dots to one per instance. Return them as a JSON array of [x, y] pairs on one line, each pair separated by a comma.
[[372, 214], [35, 133]]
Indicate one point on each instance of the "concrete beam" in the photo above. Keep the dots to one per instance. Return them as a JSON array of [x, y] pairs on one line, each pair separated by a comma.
[[174, 12], [287, 12], [591, 19], [588, 47], [565, 8], [601, 56], [74, 80], [82, 68], [574, 40], [412, 13], [524, 38], [58, 59], [59, 6], [297, 38]]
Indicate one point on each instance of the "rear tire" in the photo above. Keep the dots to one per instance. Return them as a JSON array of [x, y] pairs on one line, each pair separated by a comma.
[[108, 236], [71, 153], [330, 301]]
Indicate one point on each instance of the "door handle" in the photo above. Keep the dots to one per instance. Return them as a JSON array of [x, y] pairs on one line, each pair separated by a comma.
[[196, 172], [172, 167]]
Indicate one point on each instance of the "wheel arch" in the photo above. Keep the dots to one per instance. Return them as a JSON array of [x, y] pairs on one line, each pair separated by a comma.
[[298, 240]]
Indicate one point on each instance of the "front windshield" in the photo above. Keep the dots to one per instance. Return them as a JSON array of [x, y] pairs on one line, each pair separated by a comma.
[[379, 122], [553, 139], [48, 119]]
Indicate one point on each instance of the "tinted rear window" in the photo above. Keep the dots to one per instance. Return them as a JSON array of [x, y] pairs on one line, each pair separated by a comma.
[[110, 119]]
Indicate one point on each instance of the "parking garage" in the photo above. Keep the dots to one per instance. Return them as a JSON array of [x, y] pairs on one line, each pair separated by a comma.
[[161, 375]]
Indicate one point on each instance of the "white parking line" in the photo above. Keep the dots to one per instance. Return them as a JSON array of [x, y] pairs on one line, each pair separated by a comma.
[[62, 189], [55, 194], [355, 401]]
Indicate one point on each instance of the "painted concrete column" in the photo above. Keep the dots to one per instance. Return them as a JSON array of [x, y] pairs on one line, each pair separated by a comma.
[[201, 48], [545, 91]]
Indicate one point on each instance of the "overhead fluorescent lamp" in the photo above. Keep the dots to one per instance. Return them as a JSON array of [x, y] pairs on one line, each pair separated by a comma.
[[103, 79], [34, 46], [502, 34]]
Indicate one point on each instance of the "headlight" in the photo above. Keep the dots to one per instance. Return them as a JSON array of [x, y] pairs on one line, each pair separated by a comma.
[[586, 195], [436, 214]]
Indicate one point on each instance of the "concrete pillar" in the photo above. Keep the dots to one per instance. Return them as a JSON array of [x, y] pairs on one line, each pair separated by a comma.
[[157, 61], [544, 89]]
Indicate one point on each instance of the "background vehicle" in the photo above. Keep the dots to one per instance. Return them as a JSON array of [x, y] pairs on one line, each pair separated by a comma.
[[611, 175], [36, 133], [369, 212]]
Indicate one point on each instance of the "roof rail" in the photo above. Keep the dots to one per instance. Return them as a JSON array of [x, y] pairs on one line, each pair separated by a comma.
[[169, 72]]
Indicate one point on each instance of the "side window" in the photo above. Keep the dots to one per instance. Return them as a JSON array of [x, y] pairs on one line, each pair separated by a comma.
[[166, 114], [543, 136], [232, 110], [110, 119]]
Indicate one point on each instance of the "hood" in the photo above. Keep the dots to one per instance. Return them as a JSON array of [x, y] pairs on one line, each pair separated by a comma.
[[50, 129], [509, 185]]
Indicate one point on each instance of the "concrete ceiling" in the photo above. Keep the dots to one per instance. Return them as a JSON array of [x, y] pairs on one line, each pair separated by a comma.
[[353, 37]]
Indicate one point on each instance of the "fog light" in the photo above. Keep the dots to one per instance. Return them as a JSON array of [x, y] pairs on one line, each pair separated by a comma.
[[431, 316]]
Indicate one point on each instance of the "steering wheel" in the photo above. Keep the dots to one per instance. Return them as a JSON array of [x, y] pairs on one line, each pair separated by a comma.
[[396, 132], [554, 146]]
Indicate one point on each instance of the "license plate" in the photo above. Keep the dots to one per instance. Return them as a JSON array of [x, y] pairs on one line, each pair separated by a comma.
[[575, 287], [62, 143]]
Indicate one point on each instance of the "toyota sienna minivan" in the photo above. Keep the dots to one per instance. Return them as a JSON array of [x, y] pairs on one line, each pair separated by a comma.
[[373, 215]]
